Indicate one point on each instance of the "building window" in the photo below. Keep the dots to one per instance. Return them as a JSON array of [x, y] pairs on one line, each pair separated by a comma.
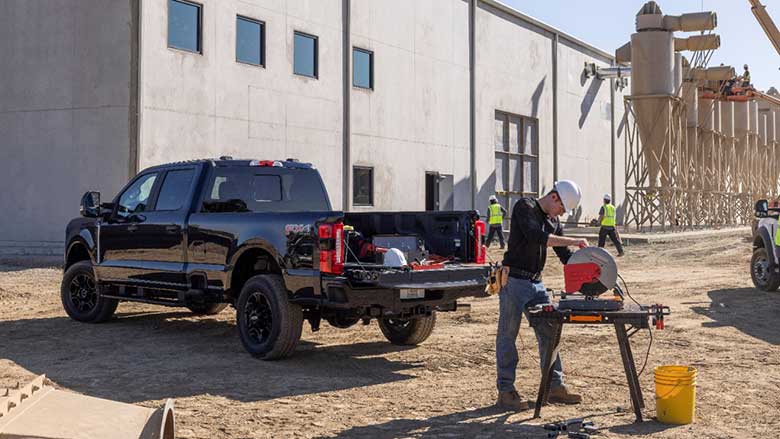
[[517, 158], [184, 25], [305, 55], [362, 68], [362, 186], [250, 41]]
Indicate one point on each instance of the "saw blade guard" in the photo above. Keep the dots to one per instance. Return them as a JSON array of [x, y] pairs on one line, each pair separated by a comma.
[[590, 271]]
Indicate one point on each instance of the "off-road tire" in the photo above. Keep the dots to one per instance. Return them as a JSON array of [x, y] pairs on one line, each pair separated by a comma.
[[207, 309], [81, 276], [261, 297], [407, 332], [763, 278]]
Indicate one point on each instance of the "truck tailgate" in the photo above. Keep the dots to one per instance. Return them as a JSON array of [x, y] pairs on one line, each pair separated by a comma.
[[452, 277]]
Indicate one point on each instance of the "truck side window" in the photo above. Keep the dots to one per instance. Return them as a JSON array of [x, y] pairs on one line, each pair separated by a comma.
[[135, 198], [175, 189]]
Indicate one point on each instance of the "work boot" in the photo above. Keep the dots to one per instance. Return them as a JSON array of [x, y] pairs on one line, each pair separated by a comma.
[[512, 401], [621, 254], [561, 395]]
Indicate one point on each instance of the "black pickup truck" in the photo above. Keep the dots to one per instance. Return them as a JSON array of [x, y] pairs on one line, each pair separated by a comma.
[[260, 235]]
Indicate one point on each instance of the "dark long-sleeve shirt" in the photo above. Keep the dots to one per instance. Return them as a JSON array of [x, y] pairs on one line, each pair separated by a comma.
[[529, 232]]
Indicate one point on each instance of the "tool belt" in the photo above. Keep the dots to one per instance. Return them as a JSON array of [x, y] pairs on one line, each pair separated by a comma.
[[499, 276]]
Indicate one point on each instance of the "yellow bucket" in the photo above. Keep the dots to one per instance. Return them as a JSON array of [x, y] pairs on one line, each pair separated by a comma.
[[675, 394]]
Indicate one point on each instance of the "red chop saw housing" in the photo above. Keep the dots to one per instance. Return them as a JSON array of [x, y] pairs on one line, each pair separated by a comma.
[[577, 275]]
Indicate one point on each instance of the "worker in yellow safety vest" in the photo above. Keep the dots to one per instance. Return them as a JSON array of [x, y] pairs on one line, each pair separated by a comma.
[[607, 219], [746, 77], [496, 214]]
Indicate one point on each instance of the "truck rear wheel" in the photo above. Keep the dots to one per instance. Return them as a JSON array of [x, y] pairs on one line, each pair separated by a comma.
[[407, 331], [269, 325], [763, 277], [207, 309], [80, 296]]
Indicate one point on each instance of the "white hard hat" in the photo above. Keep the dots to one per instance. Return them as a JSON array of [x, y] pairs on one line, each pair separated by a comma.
[[394, 258], [569, 193], [608, 197], [493, 198]]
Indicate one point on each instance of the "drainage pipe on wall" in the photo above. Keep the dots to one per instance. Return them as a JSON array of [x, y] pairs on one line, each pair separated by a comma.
[[472, 103], [555, 104], [346, 127]]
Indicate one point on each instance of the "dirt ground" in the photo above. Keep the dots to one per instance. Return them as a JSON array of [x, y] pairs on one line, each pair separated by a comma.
[[351, 383]]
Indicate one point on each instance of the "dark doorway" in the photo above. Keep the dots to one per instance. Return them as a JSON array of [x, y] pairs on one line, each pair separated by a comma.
[[439, 191], [431, 191]]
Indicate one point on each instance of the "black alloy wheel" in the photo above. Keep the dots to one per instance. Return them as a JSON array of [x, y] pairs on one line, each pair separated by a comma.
[[83, 293]]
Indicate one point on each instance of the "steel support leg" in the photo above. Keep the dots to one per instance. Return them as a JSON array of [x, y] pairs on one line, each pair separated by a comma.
[[637, 399], [552, 353]]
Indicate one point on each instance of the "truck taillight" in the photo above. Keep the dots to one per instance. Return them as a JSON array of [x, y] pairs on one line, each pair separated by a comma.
[[479, 248], [331, 248]]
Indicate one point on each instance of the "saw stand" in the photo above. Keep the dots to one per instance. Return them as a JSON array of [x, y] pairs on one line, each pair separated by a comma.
[[631, 316]]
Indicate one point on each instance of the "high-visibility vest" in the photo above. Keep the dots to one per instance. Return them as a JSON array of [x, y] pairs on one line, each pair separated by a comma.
[[496, 216], [777, 236], [609, 216]]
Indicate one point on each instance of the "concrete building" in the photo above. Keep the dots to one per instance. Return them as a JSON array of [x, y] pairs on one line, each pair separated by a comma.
[[401, 105]]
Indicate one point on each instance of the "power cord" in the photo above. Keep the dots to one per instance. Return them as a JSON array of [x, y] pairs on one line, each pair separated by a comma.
[[649, 331], [628, 293]]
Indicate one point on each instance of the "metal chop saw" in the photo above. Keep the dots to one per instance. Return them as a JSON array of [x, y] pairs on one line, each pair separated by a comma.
[[590, 272]]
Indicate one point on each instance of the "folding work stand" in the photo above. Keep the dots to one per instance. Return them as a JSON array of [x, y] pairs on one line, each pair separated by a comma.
[[631, 315]]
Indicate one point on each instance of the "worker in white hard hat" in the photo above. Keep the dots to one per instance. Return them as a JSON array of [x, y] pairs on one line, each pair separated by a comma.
[[534, 228], [496, 214], [608, 222]]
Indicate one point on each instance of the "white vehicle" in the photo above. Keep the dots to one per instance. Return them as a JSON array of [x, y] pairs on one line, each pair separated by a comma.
[[765, 263]]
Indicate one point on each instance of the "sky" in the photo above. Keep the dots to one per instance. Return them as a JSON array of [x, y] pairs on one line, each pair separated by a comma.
[[608, 24]]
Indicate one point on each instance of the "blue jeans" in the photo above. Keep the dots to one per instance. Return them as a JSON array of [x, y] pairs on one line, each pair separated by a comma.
[[514, 299]]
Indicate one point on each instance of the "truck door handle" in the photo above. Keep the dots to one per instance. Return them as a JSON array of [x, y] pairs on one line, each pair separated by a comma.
[[132, 228], [172, 229]]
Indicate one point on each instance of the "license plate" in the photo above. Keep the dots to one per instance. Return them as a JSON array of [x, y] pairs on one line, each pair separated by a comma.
[[412, 293]]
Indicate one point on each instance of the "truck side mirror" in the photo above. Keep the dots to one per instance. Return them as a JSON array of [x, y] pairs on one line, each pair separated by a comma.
[[90, 205], [762, 208]]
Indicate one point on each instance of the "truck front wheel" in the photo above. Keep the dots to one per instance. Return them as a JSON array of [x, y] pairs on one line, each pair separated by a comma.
[[407, 331], [763, 277], [269, 325], [80, 296]]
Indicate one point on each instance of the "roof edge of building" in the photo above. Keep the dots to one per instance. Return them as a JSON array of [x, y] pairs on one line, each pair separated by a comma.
[[531, 20]]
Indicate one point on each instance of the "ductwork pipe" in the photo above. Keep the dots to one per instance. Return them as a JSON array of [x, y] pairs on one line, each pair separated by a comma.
[[609, 72], [697, 43], [722, 73], [678, 72], [694, 22], [623, 53]]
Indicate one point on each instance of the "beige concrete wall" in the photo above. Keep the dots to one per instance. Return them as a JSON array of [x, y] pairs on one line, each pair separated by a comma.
[[584, 136], [67, 99], [514, 74], [208, 105], [416, 120], [64, 113]]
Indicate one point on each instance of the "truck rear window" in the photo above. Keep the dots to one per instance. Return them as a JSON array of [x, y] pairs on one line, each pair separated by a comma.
[[251, 189]]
